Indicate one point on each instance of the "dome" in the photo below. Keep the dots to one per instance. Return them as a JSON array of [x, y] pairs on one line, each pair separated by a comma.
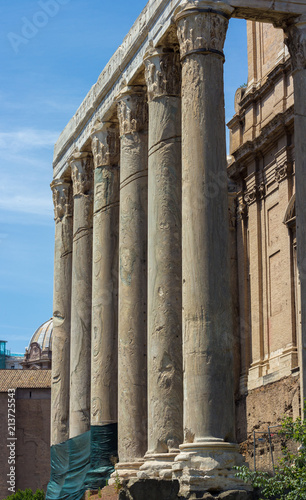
[[39, 353], [43, 335]]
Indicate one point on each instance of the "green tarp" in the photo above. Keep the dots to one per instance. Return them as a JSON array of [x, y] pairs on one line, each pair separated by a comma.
[[83, 462]]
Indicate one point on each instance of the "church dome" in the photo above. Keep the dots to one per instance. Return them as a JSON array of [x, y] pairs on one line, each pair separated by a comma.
[[39, 353], [43, 335]]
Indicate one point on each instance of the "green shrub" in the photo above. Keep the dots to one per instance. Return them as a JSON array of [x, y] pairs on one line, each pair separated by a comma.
[[289, 481], [27, 495]]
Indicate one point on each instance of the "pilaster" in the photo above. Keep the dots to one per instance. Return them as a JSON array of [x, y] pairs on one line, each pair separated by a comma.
[[296, 41]]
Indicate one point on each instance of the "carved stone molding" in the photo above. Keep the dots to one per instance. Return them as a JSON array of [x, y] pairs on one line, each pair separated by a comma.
[[163, 72], [232, 204], [62, 199], [261, 189], [202, 29], [296, 42], [81, 173], [257, 192], [132, 110], [250, 196], [242, 210], [105, 144], [281, 172]]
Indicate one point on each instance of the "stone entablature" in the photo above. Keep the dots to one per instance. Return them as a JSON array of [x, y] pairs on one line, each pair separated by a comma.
[[151, 27]]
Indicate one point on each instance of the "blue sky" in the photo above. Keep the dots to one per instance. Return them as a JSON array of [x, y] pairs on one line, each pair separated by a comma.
[[51, 53]]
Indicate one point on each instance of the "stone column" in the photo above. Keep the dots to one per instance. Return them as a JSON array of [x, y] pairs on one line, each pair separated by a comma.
[[208, 452], [104, 353], [296, 41], [165, 383], [62, 198], [81, 171], [132, 346]]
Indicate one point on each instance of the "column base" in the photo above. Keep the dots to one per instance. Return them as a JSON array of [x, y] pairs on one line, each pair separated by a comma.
[[157, 465], [208, 467], [125, 471]]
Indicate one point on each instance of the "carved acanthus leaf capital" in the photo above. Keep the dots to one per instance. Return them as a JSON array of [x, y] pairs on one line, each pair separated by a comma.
[[62, 199], [202, 28], [163, 72], [81, 173], [132, 110], [296, 43], [105, 144]]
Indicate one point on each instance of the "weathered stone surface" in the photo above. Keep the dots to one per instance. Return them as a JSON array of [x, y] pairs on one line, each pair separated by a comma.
[[165, 396], [80, 353], [235, 495], [62, 197], [207, 330], [104, 351], [207, 457], [150, 489], [132, 347], [297, 46]]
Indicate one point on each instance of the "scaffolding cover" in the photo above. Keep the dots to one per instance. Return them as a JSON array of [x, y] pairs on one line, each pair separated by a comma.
[[83, 462]]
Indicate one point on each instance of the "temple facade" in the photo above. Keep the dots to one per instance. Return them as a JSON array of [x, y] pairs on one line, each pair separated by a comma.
[[175, 299]]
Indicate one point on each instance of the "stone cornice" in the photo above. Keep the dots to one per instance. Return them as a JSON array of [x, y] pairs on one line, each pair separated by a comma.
[[250, 148], [105, 144], [258, 92]]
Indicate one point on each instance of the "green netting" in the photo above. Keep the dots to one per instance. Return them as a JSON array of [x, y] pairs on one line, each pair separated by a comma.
[[81, 463], [103, 455]]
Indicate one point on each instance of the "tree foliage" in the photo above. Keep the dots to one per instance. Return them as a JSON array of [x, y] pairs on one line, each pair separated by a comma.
[[289, 481], [27, 495]]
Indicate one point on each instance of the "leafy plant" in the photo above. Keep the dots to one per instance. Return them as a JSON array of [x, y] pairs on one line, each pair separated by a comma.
[[27, 495], [118, 484], [289, 481]]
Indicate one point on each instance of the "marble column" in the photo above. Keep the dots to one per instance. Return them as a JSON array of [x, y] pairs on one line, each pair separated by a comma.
[[296, 41], [132, 329], [208, 453], [165, 382], [62, 198], [82, 180], [104, 352]]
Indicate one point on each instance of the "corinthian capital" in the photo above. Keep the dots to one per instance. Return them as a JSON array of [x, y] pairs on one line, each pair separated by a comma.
[[202, 27], [81, 173], [163, 72], [105, 144], [62, 199], [132, 110], [296, 42]]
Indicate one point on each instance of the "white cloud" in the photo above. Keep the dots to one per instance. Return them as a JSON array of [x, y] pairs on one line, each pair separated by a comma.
[[35, 205], [27, 139]]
